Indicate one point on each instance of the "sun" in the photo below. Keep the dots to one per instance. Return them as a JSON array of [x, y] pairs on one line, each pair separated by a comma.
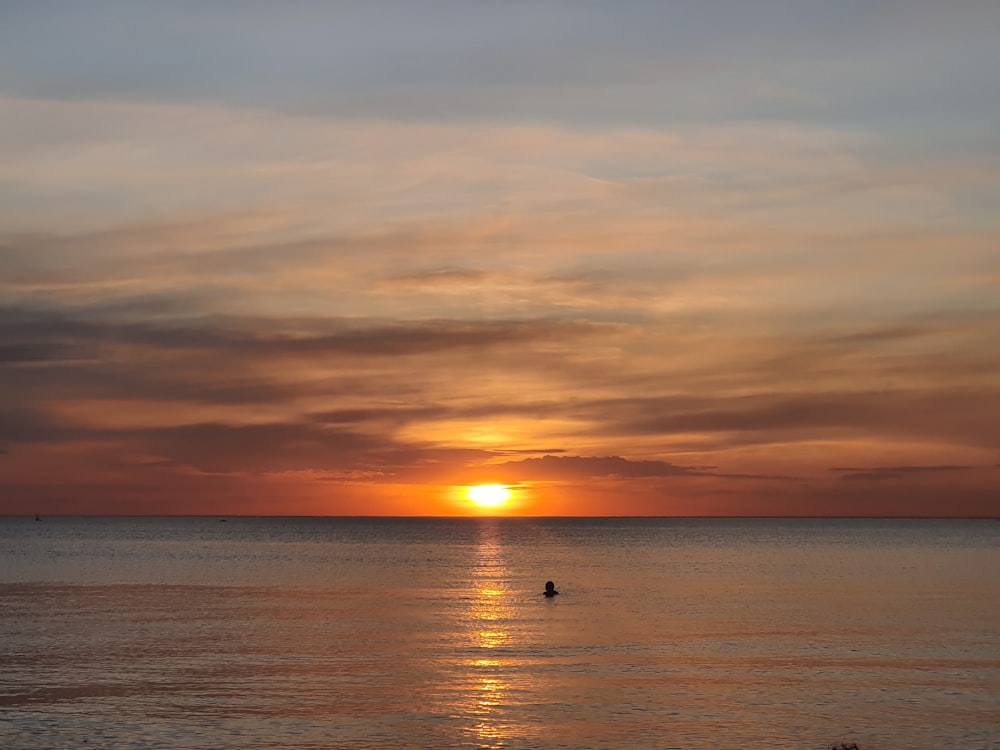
[[488, 495]]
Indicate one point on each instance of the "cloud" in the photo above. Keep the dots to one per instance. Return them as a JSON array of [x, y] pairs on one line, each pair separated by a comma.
[[583, 467], [522, 451], [882, 334], [460, 62], [437, 278], [370, 415], [271, 337], [853, 473], [278, 174], [221, 448], [28, 352], [968, 415], [89, 369], [26, 424], [241, 449], [577, 469], [332, 245]]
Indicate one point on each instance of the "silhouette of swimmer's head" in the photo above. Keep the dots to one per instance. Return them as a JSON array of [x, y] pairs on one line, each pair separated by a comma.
[[550, 589]]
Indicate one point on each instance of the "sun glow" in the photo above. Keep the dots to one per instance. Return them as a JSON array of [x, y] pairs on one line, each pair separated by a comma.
[[488, 495]]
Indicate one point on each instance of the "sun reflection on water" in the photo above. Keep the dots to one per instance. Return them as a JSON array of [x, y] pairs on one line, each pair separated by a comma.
[[490, 612]]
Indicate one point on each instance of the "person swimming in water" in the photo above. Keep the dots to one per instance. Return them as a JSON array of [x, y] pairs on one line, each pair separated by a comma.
[[550, 589]]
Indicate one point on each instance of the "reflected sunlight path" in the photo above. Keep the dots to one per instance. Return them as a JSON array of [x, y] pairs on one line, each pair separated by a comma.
[[490, 612]]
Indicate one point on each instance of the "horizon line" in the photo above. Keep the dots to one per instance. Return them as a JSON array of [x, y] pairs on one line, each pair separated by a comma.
[[506, 517]]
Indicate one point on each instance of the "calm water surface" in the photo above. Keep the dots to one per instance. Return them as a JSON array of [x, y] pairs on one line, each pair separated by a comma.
[[428, 633]]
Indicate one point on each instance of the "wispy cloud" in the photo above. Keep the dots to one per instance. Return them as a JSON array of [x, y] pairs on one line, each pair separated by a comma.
[[853, 473], [404, 249]]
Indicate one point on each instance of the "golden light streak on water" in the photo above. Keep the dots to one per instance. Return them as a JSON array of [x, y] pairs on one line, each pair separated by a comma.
[[490, 610]]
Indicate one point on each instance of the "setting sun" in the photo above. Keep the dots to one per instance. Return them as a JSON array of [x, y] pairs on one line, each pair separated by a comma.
[[488, 495]]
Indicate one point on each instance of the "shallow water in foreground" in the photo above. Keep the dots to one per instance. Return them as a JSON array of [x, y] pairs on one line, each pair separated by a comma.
[[432, 633]]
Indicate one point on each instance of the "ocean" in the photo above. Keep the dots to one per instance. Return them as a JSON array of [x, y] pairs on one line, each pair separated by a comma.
[[354, 633]]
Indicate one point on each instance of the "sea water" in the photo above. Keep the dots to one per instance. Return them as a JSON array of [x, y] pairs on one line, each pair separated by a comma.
[[433, 633]]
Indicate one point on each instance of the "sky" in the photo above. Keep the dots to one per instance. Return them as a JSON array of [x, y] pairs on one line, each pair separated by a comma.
[[733, 257]]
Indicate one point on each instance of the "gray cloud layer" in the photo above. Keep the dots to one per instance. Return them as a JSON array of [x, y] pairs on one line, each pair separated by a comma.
[[671, 245], [452, 59]]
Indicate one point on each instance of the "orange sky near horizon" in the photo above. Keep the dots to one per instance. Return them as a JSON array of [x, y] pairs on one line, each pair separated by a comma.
[[671, 260]]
